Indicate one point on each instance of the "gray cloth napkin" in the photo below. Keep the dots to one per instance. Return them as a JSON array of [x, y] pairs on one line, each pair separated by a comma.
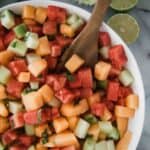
[[144, 4]]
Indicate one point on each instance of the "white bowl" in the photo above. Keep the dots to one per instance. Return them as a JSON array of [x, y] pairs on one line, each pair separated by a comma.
[[135, 124]]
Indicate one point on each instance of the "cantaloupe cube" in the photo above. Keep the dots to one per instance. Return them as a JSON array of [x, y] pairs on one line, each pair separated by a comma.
[[60, 124], [74, 63], [107, 115], [94, 130], [5, 57], [73, 122], [132, 101], [47, 93], [28, 12], [29, 22], [3, 110], [4, 124], [40, 129], [3, 94], [32, 101], [37, 67], [40, 14], [40, 146], [95, 98], [44, 47], [102, 70], [67, 30], [24, 77]]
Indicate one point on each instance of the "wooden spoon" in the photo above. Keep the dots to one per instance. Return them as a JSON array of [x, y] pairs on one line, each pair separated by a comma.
[[85, 44]]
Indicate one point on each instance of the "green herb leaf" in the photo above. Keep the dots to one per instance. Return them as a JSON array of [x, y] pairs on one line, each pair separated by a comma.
[[14, 44], [45, 137], [90, 118], [28, 90], [101, 84], [70, 77]]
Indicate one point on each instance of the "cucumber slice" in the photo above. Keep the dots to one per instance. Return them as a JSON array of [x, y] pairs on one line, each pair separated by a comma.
[[34, 85], [29, 129], [15, 107], [2, 147], [20, 30], [7, 19], [18, 47], [32, 147], [32, 58], [126, 78], [82, 129], [54, 102], [110, 145], [101, 145], [4, 75], [105, 127], [31, 40], [89, 144], [90, 118], [104, 52], [114, 134]]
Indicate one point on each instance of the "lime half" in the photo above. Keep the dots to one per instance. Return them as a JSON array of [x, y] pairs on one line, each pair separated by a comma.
[[126, 26], [123, 5]]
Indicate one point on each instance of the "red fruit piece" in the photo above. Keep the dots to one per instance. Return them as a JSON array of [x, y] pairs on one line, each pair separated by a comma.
[[2, 45], [52, 62], [26, 140], [104, 39], [117, 56], [9, 136], [56, 50], [124, 92], [113, 91], [18, 147], [17, 120], [36, 29], [9, 37], [98, 109], [85, 76], [17, 66], [55, 113], [76, 83], [86, 92], [57, 82], [14, 88], [50, 28], [65, 95]]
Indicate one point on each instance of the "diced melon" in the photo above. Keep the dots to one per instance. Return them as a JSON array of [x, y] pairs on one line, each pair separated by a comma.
[[122, 125], [5, 57], [40, 14], [40, 129], [34, 85], [95, 98], [29, 22], [124, 141], [132, 101], [3, 94], [37, 67], [4, 124], [54, 102], [67, 30], [125, 112], [102, 145], [107, 115], [28, 12], [74, 63], [24, 77], [40, 146], [32, 57], [47, 93], [18, 47], [15, 107], [94, 131], [62, 139], [4, 75], [29, 129], [3, 110], [73, 122], [102, 70], [43, 47], [60, 124], [32, 101]]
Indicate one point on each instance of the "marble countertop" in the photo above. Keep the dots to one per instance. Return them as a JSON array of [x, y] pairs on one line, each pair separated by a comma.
[[141, 50]]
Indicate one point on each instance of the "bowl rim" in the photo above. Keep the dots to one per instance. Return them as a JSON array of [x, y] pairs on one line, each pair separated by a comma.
[[85, 14]]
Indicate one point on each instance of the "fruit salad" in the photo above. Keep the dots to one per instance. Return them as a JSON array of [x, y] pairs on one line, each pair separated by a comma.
[[77, 108]]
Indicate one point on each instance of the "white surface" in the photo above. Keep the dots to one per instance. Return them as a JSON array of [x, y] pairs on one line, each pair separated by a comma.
[[135, 124]]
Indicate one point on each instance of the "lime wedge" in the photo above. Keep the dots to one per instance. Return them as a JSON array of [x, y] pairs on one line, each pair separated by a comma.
[[126, 26], [123, 5], [87, 2]]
